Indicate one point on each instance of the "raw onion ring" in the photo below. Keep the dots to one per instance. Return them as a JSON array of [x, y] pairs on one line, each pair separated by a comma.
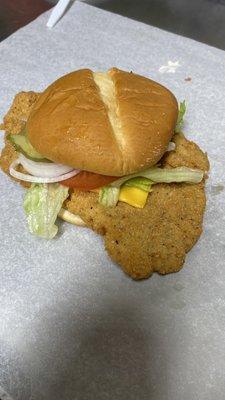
[[38, 179], [43, 169], [171, 146]]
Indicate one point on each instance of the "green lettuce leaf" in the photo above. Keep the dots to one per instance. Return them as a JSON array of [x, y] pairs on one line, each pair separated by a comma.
[[176, 175], [180, 119], [42, 204], [109, 196], [140, 183], [165, 175]]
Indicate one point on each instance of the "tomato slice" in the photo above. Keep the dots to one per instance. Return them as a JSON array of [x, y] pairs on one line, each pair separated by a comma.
[[88, 181]]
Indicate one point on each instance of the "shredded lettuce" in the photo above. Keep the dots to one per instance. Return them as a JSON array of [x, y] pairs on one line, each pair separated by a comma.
[[140, 183], [165, 175], [109, 196], [42, 203], [180, 119], [176, 175]]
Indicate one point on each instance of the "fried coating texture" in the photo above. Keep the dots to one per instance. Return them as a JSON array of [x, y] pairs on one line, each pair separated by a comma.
[[141, 241], [13, 123]]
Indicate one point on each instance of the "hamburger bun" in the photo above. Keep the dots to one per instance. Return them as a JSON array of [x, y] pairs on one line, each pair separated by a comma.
[[113, 123]]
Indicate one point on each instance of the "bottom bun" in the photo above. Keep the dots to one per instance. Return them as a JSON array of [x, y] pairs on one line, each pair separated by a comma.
[[71, 218]]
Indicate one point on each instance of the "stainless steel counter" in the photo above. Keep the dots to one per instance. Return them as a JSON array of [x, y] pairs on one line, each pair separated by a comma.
[[202, 20]]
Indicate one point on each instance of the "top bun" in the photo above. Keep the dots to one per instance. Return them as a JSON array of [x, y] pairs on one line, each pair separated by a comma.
[[112, 123]]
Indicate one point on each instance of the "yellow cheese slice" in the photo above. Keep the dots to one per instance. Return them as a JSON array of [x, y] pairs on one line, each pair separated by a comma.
[[133, 196]]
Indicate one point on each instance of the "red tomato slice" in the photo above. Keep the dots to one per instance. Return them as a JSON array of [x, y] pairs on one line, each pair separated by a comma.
[[88, 181]]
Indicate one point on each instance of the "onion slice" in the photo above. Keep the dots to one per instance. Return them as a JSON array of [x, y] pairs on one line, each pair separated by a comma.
[[38, 179], [43, 169], [171, 146]]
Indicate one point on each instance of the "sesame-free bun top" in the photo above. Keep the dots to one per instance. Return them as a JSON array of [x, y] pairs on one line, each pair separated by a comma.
[[112, 123]]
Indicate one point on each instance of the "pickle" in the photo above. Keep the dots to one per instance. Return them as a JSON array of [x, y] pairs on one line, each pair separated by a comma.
[[22, 145]]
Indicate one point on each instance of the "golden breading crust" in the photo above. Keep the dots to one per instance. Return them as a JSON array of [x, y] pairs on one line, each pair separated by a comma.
[[142, 241], [13, 123]]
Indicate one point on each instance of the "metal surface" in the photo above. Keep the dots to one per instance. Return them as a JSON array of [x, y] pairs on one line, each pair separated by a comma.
[[202, 20], [16, 13]]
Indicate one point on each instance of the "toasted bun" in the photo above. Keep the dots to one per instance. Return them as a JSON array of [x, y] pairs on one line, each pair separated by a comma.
[[113, 123]]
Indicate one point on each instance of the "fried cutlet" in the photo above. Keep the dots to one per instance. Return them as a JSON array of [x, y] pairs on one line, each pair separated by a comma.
[[142, 241]]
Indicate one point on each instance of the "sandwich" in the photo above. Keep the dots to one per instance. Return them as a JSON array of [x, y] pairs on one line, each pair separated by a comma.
[[106, 150]]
